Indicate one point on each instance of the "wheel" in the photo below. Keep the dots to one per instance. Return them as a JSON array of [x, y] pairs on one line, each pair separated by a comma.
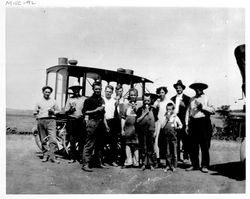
[[243, 151], [38, 141], [61, 138]]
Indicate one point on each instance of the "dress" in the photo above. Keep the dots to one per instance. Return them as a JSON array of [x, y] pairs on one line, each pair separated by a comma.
[[131, 136]]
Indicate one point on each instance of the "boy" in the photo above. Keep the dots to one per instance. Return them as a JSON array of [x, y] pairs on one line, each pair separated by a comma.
[[146, 128], [168, 137]]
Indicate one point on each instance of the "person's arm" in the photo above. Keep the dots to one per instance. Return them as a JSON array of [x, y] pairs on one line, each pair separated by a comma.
[[207, 107], [89, 112], [106, 124], [55, 109], [187, 116], [164, 123], [178, 123], [123, 118], [69, 109], [141, 115], [36, 110]]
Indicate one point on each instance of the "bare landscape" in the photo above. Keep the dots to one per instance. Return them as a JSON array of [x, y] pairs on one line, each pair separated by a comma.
[[31, 176]]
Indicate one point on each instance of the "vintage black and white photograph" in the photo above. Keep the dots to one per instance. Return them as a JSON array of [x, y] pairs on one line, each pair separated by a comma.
[[125, 99]]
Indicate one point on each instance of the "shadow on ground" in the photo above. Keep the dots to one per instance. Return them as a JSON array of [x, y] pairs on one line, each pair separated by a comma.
[[233, 170]]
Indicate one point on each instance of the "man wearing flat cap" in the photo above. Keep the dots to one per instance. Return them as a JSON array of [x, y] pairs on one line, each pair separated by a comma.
[[181, 104], [75, 122], [198, 126], [45, 110]]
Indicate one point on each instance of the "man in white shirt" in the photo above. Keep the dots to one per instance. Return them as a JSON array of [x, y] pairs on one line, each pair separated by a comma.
[[199, 128], [111, 124], [44, 112]]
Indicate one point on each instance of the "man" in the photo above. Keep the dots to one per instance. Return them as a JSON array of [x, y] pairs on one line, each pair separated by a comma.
[[45, 111], [199, 128], [181, 104], [93, 109], [75, 125], [111, 124], [120, 105]]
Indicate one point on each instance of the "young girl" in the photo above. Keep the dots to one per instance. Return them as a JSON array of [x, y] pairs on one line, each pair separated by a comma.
[[128, 129], [168, 137]]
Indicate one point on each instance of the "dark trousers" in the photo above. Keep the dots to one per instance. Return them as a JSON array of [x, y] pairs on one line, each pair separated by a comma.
[[47, 130], [94, 133], [76, 131], [182, 137], [146, 147], [168, 145], [111, 139], [200, 132]]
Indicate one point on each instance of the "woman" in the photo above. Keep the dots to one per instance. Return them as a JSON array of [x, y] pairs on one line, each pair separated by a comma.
[[128, 129], [160, 104]]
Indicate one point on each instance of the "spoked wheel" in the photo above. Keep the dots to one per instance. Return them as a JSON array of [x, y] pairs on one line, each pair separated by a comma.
[[37, 138], [62, 139]]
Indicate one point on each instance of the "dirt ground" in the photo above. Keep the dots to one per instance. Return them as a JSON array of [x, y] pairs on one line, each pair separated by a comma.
[[26, 174]]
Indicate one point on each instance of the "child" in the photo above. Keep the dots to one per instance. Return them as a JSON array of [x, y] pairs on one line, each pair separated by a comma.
[[146, 128], [168, 137], [128, 129]]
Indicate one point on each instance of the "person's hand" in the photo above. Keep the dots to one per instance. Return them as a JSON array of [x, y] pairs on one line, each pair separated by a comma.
[[107, 129], [186, 129], [198, 105], [182, 103], [72, 109], [51, 111], [123, 132], [100, 108]]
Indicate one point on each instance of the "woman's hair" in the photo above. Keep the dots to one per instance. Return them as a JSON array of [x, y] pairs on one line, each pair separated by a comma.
[[132, 90], [164, 88]]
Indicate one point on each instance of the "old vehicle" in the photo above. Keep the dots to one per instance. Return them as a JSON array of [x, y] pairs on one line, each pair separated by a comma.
[[240, 118], [60, 77]]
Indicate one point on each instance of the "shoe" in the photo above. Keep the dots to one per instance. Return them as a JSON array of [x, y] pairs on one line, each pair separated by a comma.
[[204, 170], [186, 161], [152, 168], [166, 169], [158, 166], [114, 164], [54, 160], [101, 166], [173, 169], [86, 168], [128, 166], [45, 159], [71, 161], [143, 168], [192, 169]]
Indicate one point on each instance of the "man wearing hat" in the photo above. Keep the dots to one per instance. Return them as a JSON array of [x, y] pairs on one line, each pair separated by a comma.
[[75, 122], [181, 104], [198, 126], [45, 110]]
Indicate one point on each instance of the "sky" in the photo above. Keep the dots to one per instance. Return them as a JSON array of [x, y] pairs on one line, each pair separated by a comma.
[[161, 44]]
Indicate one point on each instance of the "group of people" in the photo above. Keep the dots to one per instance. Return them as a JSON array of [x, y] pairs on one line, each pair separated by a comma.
[[125, 132]]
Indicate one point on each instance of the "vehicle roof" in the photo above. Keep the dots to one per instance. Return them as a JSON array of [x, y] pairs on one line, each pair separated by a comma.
[[107, 75]]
